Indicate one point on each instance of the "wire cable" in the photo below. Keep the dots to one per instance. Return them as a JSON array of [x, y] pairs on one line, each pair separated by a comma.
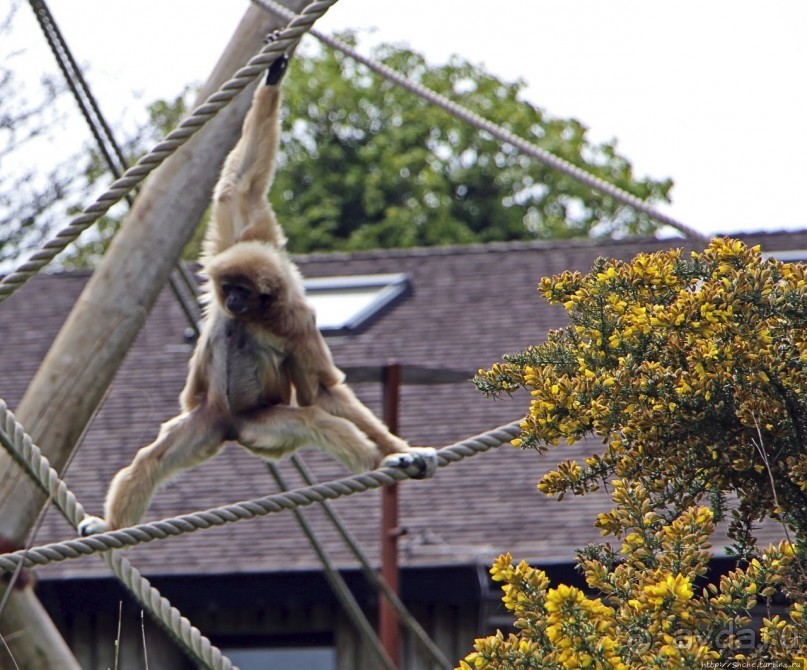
[[337, 582], [99, 128], [378, 582]]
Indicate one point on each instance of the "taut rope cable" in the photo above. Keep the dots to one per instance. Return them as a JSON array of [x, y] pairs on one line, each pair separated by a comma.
[[248, 509], [284, 40], [481, 123]]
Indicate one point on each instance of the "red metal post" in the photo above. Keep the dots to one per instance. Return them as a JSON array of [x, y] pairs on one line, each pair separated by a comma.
[[390, 531]]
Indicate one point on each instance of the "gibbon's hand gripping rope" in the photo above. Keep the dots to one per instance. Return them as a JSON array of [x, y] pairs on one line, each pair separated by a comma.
[[502, 134], [283, 41]]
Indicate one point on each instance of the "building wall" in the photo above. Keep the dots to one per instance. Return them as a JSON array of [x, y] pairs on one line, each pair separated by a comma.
[[261, 634]]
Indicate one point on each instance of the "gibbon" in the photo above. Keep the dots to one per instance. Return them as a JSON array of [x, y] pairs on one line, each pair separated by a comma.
[[261, 373]]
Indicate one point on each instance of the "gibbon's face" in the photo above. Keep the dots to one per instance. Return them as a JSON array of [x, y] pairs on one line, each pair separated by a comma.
[[251, 281], [241, 299]]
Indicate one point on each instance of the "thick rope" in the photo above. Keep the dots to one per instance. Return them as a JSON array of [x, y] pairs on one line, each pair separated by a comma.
[[188, 636], [22, 449], [19, 444], [472, 118], [249, 509], [283, 41]]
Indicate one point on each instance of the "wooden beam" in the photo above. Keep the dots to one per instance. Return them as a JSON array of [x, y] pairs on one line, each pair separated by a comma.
[[104, 322]]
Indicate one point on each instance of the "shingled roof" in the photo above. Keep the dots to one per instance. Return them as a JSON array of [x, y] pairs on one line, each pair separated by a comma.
[[468, 306]]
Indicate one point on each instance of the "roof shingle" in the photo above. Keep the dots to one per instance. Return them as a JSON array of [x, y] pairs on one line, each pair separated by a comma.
[[468, 306]]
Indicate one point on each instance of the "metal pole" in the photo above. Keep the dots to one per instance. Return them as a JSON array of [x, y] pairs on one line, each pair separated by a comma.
[[390, 530]]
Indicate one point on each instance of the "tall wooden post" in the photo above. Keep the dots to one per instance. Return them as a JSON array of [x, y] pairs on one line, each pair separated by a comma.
[[105, 320], [390, 530]]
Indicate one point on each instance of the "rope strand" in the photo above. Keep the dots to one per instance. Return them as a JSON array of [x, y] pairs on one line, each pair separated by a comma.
[[22, 449], [248, 509]]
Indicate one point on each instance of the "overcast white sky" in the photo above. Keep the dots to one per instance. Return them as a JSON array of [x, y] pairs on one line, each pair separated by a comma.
[[710, 93]]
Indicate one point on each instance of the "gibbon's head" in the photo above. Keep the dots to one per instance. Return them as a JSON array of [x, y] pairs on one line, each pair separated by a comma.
[[254, 281]]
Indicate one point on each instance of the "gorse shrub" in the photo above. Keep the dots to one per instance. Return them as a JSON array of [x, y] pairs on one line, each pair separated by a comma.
[[692, 370], [649, 611]]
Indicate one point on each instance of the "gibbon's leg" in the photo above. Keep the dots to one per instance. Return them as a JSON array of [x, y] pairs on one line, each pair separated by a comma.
[[275, 431], [240, 209], [340, 401], [183, 442]]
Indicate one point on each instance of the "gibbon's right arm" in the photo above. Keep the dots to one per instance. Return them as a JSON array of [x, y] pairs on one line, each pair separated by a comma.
[[240, 209]]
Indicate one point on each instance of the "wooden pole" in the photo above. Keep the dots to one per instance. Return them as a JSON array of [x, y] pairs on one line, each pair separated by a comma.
[[104, 322], [388, 629]]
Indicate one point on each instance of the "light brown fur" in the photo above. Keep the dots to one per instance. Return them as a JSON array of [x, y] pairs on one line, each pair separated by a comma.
[[263, 375]]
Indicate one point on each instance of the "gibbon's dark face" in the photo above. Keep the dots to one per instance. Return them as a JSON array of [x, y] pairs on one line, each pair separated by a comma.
[[236, 298], [242, 300]]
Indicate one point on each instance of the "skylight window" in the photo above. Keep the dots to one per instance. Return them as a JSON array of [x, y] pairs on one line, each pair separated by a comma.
[[347, 304]]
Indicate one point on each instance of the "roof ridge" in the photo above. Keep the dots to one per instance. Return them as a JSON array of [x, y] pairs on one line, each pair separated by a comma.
[[475, 248]]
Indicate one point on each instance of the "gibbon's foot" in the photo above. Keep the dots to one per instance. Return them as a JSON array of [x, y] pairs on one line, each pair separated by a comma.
[[90, 525], [276, 70], [423, 458]]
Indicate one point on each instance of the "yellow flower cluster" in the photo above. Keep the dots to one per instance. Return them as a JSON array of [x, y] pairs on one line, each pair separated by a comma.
[[646, 611], [692, 370]]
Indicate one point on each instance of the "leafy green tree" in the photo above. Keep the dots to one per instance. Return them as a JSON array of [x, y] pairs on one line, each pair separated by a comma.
[[366, 164]]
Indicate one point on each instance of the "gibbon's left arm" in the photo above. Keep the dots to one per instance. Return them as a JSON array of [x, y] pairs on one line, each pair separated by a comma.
[[241, 210]]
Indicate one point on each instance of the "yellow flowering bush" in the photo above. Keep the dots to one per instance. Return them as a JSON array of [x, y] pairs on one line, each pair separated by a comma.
[[653, 609], [692, 371]]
